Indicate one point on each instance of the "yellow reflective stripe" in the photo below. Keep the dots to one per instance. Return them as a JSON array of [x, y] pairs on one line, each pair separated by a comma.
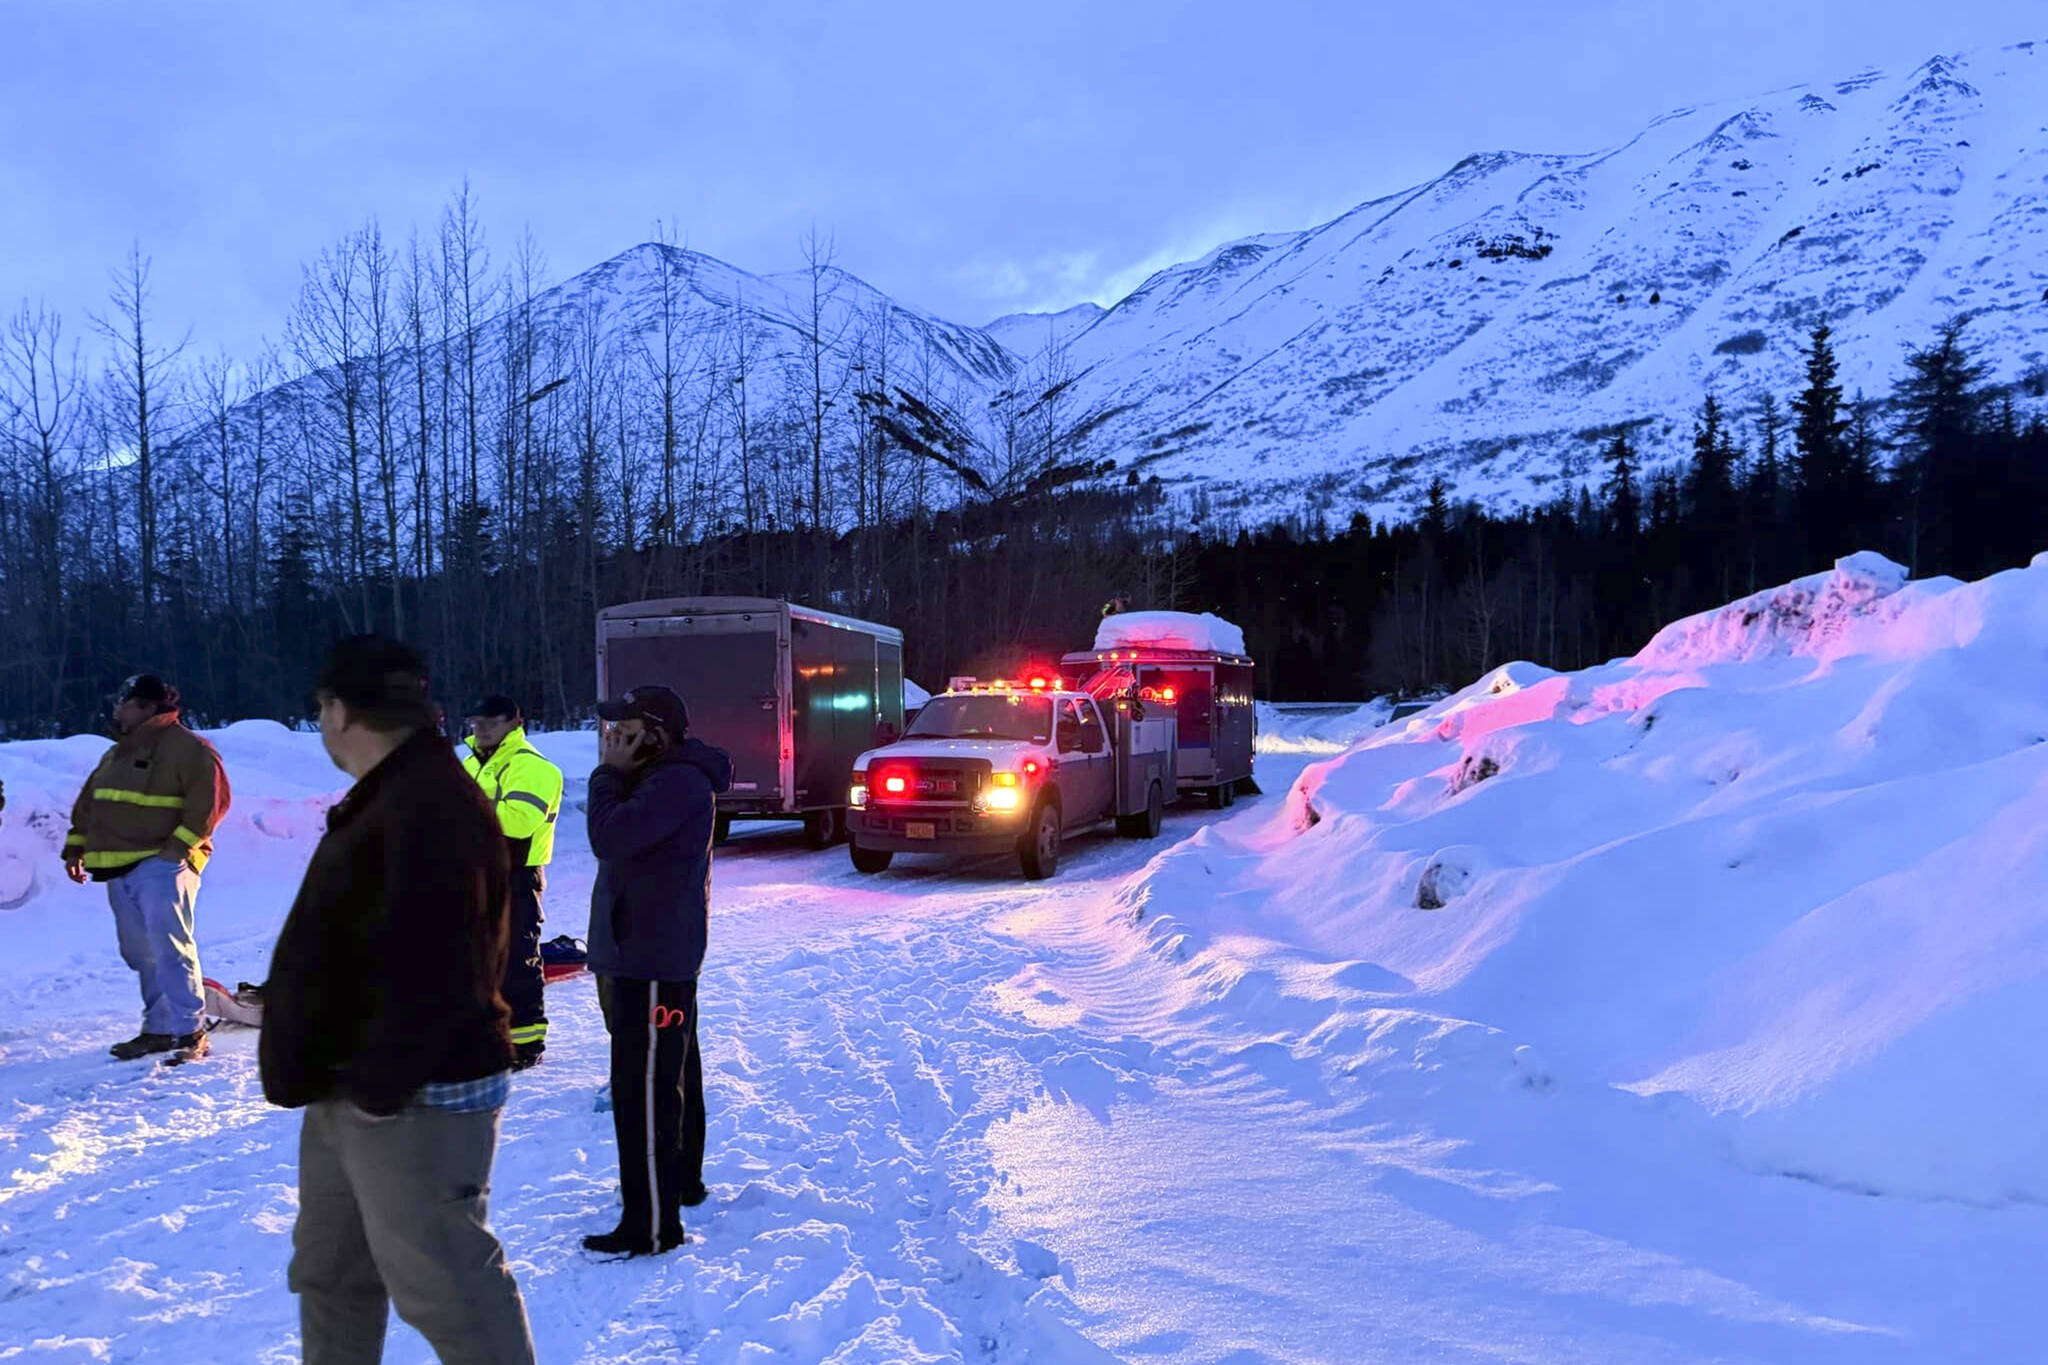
[[73, 840], [529, 1033], [128, 798], [187, 835], [106, 862]]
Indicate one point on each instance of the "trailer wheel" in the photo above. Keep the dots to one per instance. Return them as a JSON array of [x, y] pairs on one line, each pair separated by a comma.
[[1229, 795], [1039, 850], [721, 830], [869, 860], [824, 828], [1145, 824], [1219, 796]]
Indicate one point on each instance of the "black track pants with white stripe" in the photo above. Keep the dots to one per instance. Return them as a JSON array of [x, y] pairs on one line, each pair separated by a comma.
[[657, 1098]]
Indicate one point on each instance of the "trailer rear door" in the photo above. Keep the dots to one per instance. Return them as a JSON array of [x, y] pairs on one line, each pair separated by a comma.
[[727, 672]]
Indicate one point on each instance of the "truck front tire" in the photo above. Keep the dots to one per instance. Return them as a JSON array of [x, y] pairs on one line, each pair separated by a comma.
[[869, 860], [1039, 850]]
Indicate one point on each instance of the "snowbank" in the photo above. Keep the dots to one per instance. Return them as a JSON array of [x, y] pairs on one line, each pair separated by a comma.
[[1169, 630], [1783, 869]]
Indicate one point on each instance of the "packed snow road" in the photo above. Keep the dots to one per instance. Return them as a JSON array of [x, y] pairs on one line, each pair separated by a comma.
[[859, 1044], [956, 1116]]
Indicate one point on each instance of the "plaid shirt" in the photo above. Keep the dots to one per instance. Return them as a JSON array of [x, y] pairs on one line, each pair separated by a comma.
[[467, 1097]]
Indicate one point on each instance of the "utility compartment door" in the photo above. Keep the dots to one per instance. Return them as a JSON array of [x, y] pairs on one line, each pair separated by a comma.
[[727, 671]]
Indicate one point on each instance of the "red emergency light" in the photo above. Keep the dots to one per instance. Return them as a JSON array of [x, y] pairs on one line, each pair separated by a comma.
[[895, 785]]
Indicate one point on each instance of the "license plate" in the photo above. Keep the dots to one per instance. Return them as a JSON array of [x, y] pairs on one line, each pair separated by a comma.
[[921, 829]]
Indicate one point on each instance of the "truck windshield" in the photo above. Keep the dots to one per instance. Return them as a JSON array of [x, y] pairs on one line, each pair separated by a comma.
[[985, 717]]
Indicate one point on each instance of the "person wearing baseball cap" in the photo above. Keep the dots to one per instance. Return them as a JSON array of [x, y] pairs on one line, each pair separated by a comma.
[[525, 791], [143, 824], [649, 816]]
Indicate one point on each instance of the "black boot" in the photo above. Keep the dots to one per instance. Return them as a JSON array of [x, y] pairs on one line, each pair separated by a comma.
[[622, 1242], [143, 1045]]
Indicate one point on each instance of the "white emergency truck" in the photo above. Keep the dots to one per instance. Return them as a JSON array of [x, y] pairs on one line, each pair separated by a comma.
[[1012, 766]]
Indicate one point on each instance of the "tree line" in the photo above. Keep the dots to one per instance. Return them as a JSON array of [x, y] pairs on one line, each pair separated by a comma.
[[1947, 473], [441, 449]]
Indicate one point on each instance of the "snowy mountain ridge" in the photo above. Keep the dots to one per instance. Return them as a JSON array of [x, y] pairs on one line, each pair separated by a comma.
[[1493, 326]]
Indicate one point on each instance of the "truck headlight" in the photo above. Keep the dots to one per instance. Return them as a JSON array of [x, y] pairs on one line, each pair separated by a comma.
[[1005, 798], [858, 796]]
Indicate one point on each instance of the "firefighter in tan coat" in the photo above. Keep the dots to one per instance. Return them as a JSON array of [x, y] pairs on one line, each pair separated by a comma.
[[143, 824]]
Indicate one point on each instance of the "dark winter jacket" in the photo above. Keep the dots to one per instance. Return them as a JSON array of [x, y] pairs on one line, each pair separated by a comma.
[[385, 976], [651, 831]]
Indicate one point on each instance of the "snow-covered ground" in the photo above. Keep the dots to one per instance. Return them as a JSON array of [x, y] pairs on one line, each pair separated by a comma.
[[1683, 1010]]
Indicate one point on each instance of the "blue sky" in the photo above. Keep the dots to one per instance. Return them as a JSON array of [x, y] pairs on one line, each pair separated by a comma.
[[971, 159]]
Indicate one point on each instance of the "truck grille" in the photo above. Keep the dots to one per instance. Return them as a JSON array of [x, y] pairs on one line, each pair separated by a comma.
[[943, 782]]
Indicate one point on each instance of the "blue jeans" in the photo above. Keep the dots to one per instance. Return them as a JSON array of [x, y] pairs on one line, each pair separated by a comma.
[[153, 907]]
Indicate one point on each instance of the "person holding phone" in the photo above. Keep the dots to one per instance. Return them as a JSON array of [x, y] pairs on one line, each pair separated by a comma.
[[650, 817]]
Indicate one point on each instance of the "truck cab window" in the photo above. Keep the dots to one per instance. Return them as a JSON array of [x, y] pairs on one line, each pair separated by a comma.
[[1088, 728], [1070, 729]]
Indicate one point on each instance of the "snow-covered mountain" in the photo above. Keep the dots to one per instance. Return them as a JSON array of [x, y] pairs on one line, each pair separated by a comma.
[[1027, 334], [1491, 326], [1480, 325]]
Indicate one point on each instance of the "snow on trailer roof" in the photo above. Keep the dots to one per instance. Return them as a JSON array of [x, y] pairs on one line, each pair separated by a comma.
[[1188, 632]]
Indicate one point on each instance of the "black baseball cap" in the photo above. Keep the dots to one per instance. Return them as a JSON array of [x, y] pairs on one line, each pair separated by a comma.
[[495, 707], [655, 704]]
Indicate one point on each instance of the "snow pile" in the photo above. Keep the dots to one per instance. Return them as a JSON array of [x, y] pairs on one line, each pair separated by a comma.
[[1783, 868], [1204, 632]]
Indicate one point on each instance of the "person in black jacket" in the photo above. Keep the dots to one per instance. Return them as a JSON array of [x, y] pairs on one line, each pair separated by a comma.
[[382, 1019], [650, 814]]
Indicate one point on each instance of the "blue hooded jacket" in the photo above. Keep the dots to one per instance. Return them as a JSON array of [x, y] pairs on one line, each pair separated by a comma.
[[651, 831]]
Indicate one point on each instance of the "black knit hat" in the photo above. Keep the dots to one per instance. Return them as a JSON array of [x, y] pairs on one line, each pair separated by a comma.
[[655, 704], [381, 680], [148, 687]]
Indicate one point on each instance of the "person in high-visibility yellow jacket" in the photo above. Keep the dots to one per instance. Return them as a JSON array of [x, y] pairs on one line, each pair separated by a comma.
[[526, 792]]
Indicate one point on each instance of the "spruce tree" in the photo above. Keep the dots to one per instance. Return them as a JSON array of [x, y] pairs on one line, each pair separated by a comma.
[[1709, 484], [1624, 499], [1940, 403], [1818, 437], [1436, 514]]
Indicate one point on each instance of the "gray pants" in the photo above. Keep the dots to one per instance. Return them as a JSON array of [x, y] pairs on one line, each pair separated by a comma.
[[153, 908], [391, 1212]]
